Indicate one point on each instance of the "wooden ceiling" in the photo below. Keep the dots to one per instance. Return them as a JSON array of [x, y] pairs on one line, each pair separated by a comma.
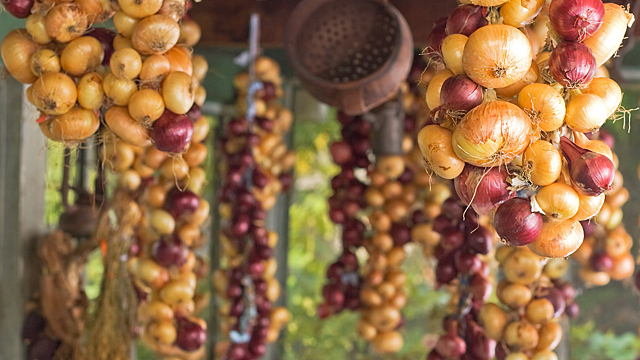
[[225, 22]]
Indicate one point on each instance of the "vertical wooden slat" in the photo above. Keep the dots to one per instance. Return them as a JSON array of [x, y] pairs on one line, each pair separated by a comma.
[[22, 186]]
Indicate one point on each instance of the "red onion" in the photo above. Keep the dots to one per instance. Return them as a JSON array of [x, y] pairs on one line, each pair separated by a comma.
[[433, 355], [451, 208], [452, 238], [572, 64], [401, 234], [34, 324], [556, 298], [572, 310], [636, 278], [441, 222], [169, 251], [436, 37], [458, 94], [105, 37], [588, 227], [576, 20], [195, 113], [591, 172], [445, 271], [258, 178], [172, 132], [483, 188], [601, 261], [466, 19], [466, 263], [18, 8], [324, 310], [181, 202], [480, 288], [268, 91], [480, 347], [480, 240], [451, 345], [516, 223], [341, 152], [44, 348], [191, 336]]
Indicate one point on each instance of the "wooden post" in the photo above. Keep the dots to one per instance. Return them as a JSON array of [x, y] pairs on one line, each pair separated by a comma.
[[22, 186]]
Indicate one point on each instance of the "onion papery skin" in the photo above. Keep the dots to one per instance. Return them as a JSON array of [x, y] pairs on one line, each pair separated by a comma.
[[17, 50], [437, 151], [466, 19], [436, 37], [172, 132], [458, 95], [516, 224], [492, 134], [496, 56], [452, 52], [608, 90], [155, 34], [559, 238], [483, 188], [542, 163], [435, 87], [105, 36], [606, 41], [589, 206], [529, 78], [591, 173], [123, 125], [516, 15], [66, 22], [82, 55], [572, 64], [18, 8], [586, 113], [544, 105], [75, 125], [54, 93], [558, 201], [576, 20]]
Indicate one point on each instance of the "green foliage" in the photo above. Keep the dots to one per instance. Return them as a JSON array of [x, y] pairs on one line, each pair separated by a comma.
[[588, 343]]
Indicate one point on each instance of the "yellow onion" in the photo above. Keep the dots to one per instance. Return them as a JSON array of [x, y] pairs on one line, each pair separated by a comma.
[[200, 129], [125, 23], [542, 163], [123, 125], [36, 28], [589, 206], [178, 92], [606, 41], [81, 56], [602, 72], [140, 8], [586, 113], [452, 50], [155, 34], [17, 50], [180, 59], [518, 13], [486, 3], [97, 11], [559, 238], [190, 32], [608, 90], [200, 95], [529, 78], [436, 148], [155, 68], [121, 42], [174, 9], [496, 56], [544, 105], [558, 201], [90, 92], [118, 90], [75, 125], [146, 106], [596, 146], [54, 93], [200, 67], [66, 22], [435, 85], [44, 61], [492, 134], [126, 64]]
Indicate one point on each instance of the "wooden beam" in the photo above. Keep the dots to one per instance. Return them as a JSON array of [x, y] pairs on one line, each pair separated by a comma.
[[22, 186]]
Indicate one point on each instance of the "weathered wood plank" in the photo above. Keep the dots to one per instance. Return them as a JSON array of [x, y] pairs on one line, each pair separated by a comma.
[[22, 186]]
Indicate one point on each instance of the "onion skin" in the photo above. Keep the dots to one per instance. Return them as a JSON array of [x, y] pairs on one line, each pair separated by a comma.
[[542, 163], [435, 145], [483, 188], [496, 56], [608, 90], [606, 41], [18, 8], [586, 113], [516, 223], [559, 238], [458, 94], [576, 20], [466, 19], [544, 105], [572, 64], [105, 36], [436, 37], [529, 78], [172, 132], [121, 123], [591, 172], [435, 87], [515, 14], [492, 134], [17, 51]]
